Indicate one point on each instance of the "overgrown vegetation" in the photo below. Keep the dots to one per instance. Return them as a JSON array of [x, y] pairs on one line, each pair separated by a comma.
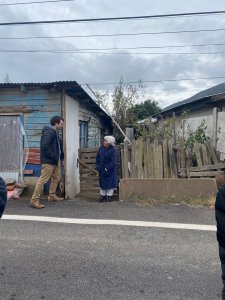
[[126, 109], [128, 112]]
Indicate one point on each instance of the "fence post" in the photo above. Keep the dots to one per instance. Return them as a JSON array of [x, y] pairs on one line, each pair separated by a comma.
[[130, 133], [215, 125], [140, 159], [165, 159], [133, 157], [125, 160]]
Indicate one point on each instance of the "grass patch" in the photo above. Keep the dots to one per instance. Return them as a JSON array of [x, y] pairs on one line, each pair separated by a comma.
[[143, 200]]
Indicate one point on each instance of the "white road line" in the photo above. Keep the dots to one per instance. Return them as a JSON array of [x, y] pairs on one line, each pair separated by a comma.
[[110, 222]]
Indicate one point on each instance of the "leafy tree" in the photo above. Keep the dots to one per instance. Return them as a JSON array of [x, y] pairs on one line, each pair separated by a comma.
[[141, 111]]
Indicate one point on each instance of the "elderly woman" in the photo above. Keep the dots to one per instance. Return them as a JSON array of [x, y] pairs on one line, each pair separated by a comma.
[[106, 166]]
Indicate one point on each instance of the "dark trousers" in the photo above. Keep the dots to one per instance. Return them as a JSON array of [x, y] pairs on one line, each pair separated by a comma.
[[222, 260]]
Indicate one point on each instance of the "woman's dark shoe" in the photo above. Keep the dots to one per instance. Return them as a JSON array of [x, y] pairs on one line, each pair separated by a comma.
[[102, 198], [109, 198]]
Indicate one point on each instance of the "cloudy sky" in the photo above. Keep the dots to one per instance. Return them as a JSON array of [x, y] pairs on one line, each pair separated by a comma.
[[109, 66]]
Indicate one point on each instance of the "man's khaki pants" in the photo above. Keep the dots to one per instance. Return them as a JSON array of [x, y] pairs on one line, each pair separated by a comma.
[[47, 172]]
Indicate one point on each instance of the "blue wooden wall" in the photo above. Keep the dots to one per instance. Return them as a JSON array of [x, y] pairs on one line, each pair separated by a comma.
[[45, 103]]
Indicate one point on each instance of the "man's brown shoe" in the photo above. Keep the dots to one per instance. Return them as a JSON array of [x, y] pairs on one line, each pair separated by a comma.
[[55, 198], [35, 203]]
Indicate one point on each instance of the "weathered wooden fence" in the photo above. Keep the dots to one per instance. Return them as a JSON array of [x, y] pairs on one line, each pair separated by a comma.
[[89, 181], [206, 162], [145, 159]]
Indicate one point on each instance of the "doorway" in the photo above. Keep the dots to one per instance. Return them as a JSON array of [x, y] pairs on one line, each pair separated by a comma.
[[11, 147]]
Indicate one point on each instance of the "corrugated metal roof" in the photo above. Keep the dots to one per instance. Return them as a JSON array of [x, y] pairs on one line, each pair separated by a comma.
[[215, 90], [54, 83], [71, 87]]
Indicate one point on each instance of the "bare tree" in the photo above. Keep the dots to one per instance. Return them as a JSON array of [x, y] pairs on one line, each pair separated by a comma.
[[124, 97], [6, 78]]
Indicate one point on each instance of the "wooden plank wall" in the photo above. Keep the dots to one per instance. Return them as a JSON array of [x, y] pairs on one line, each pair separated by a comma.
[[33, 156], [39, 105]]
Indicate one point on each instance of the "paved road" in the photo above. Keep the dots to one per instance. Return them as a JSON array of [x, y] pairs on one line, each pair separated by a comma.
[[69, 261]]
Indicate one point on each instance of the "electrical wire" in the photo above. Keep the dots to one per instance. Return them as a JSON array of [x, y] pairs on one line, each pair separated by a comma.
[[8, 51], [112, 35], [34, 2], [190, 14], [140, 47], [156, 81]]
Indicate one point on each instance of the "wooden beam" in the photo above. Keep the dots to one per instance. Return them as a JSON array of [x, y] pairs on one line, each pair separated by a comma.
[[205, 168]]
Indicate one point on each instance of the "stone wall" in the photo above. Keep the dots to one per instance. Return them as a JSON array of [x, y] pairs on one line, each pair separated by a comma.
[[96, 129]]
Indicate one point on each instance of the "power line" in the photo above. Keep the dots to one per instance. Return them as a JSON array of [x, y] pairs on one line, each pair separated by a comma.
[[135, 48], [34, 2], [108, 53], [132, 48], [112, 35], [115, 18], [156, 81]]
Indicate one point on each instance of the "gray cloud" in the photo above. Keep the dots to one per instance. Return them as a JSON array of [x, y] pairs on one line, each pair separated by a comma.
[[28, 67]]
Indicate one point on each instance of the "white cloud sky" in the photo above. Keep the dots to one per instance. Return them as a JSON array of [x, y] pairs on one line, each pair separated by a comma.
[[94, 68]]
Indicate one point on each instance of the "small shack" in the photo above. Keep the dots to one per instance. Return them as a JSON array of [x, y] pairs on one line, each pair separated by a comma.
[[25, 108]]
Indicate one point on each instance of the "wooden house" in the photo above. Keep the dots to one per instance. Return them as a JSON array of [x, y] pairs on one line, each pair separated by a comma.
[[25, 108]]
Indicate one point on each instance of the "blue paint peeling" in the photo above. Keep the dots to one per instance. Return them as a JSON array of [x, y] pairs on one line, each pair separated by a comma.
[[44, 103]]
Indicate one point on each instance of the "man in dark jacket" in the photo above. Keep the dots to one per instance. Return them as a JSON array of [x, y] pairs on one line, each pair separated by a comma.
[[51, 157], [3, 196], [220, 220]]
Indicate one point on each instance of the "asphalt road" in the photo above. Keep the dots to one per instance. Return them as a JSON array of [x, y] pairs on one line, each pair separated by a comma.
[[54, 261]]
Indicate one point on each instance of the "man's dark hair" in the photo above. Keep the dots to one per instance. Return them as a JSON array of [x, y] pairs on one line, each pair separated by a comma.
[[56, 119]]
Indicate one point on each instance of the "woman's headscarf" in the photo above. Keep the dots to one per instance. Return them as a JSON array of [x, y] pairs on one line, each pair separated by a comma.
[[110, 139]]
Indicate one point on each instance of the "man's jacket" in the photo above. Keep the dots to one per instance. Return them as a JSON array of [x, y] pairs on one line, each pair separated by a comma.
[[3, 196], [51, 146], [220, 216]]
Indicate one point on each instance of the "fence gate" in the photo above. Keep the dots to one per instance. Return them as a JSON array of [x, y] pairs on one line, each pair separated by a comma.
[[89, 181]]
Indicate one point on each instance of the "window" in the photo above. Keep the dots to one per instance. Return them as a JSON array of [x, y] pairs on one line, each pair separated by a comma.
[[83, 134]]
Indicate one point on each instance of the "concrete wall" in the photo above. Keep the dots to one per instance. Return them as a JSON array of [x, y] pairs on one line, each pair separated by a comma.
[[221, 134], [194, 119], [215, 122], [71, 135], [179, 189]]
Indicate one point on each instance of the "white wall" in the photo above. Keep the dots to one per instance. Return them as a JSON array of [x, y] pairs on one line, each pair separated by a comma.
[[215, 123], [194, 119], [72, 178], [221, 134]]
